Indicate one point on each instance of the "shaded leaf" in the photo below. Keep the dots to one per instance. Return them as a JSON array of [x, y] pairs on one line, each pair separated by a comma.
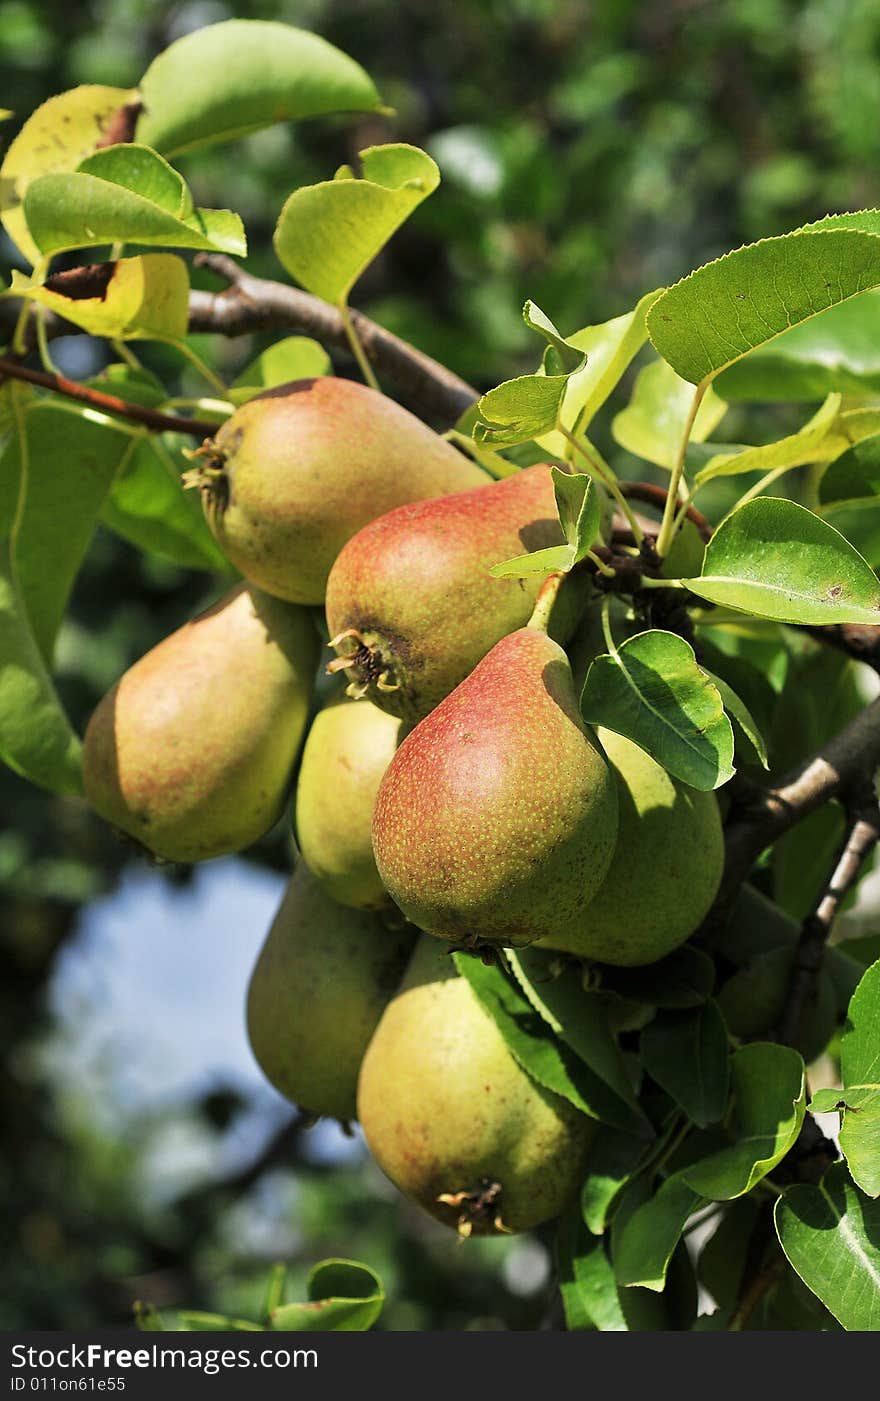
[[580, 515], [834, 352], [653, 692], [775, 559], [831, 1236], [226, 80], [684, 978], [614, 1157], [328, 234], [586, 1279], [819, 439], [650, 1236], [549, 1061], [652, 424], [742, 718], [859, 1099], [291, 358], [686, 1053]]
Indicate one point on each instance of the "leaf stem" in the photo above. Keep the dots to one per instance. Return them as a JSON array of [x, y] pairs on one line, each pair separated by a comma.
[[357, 349], [606, 626], [199, 364], [601, 566], [43, 346], [125, 354], [606, 476], [667, 525]]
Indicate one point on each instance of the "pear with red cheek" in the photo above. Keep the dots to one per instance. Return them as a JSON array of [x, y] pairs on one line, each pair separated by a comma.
[[297, 470], [496, 820], [191, 753], [411, 605]]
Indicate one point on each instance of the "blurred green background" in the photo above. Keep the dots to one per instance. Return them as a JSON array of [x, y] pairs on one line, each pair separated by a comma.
[[589, 151]]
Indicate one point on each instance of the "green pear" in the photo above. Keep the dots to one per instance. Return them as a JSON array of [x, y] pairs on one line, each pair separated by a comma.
[[453, 1120], [299, 469], [665, 870], [411, 605], [348, 749], [318, 989], [191, 753], [497, 817]]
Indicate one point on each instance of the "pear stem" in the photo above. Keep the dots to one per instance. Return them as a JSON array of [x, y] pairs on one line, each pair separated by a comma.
[[547, 595]]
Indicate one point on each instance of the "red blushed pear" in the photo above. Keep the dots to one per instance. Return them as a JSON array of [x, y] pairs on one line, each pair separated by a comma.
[[191, 753], [411, 605], [496, 820], [451, 1117], [296, 471]]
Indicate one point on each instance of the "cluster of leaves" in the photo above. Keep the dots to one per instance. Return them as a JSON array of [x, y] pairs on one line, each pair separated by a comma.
[[695, 1115]]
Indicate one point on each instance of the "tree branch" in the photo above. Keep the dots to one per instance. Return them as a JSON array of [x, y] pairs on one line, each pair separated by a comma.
[[862, 836], [107, 403], [840, 767], [256, 304]]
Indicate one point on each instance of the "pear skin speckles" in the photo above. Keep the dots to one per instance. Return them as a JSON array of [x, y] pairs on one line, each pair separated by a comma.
[[497, 817]]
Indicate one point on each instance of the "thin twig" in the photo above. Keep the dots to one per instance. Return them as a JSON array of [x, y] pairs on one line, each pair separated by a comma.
[[107, 403], [862, 836]]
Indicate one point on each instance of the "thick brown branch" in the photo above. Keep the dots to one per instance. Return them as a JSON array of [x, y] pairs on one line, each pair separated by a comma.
[[255, 304], [107, 403], [862, 836]]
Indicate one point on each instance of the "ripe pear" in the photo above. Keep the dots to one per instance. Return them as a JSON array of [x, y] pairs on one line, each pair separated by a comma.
[[299, 469], [453, 1120], [411, 605], [497, 817], [318, 989], [348, 749], [191, 752], [665, 870]]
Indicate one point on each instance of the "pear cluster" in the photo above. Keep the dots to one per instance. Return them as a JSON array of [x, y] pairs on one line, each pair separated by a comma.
[[446, 792]]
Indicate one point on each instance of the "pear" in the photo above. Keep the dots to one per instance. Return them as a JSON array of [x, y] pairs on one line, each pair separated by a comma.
[[411, 606], [191, 753], [453, 1120], [665, 870], [299, 469], [348, 749], [318, 989], [497, 817]]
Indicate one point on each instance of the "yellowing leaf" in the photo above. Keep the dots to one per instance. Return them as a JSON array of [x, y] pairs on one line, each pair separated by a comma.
[[144, 298]]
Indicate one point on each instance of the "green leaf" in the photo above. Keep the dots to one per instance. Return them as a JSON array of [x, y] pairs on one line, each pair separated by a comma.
[[768, 1099], [652, 424], [274, 1294], [148, 507], [729, 307], [652, 691], [328, 234], [577, 1017], [580, 515], [124, 195], [831, 1236], [834, 352], [686, 1054], [586, 1279], [648, 1239], [859, 1099], [229, 79], [292, 358], [135, 298], [854, 474], [818, 440], [775, 559], [609, 347], [194, 1321], [742, 718], [56, 137], [344, 1296], [564, 357], [548, 1060], [684, 978], [864, 950], [519, 410], [614, 1157]]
